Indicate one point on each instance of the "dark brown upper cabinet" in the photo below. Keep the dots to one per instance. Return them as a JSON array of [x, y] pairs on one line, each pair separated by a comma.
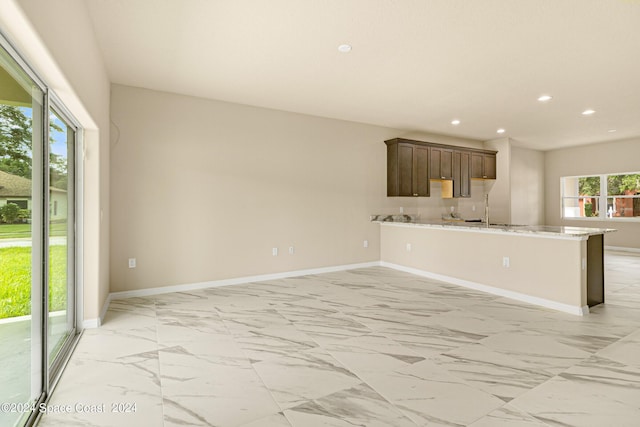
[[407, 169], [411, 164], [461, 174], [483, 165], [441, 163]]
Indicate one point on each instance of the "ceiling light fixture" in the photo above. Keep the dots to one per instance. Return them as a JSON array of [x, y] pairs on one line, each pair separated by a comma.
[[455, 122], [612, 130], [545, 98], [501, 130], [588, 112], [344, 48]]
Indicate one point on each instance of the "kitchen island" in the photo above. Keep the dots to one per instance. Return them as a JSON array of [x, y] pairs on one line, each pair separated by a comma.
[[556, 267]]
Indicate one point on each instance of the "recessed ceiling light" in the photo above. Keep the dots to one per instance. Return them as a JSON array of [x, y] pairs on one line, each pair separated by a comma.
[[501, 130], [344, 48], [612, 130], [588, 112], [455, 122], [545, 98]]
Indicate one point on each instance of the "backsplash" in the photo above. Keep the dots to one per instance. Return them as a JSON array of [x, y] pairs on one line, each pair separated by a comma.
[[435, 206]]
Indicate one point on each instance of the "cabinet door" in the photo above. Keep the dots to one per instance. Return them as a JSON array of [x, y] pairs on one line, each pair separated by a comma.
[[489, 166], [441, 164], [477, 168], [446, 164], [421, 171], [405, 170], [392, 170], [465, 174], [434, 164], [461, 174], [457, 173]]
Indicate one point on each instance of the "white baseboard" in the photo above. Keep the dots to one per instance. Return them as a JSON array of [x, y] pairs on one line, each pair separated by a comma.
[[91, 323], [105, 307], [622, 249], [236, 281], [576, 310], [96, 323]]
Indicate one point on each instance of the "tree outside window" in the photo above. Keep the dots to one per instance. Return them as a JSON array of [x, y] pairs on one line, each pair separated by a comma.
[[623, 191], [601, 196]]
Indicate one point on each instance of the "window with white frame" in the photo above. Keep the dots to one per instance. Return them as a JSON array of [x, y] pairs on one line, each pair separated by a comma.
[[601, 197]]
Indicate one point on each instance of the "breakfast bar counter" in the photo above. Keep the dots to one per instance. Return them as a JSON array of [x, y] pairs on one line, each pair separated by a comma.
[[551, 231], [554, 266]]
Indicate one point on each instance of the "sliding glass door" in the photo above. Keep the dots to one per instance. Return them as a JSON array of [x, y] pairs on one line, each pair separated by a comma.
[[21, 241], [37, 242], [61, 280]]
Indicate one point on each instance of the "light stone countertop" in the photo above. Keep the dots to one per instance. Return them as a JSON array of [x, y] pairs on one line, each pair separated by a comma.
[[550, 231]]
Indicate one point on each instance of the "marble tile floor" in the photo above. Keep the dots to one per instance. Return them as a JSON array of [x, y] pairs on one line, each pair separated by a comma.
[[366, 347]]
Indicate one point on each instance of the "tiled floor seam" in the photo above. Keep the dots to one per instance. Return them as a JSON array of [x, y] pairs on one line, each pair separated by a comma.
[[363, 381], [282, 411], [155, 309], [319, 344]]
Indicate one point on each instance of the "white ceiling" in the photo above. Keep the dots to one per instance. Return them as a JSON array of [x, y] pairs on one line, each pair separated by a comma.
[[415, 64]]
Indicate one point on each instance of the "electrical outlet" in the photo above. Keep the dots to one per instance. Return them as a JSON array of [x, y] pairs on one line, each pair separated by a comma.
[[365, 244], [505, 262], [473, 208], [401, 210], [408, 247], [291, 250], [274, 251], [132, 263]]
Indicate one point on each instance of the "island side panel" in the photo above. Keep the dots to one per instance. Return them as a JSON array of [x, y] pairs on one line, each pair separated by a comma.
[[541, 267], [595, 270]]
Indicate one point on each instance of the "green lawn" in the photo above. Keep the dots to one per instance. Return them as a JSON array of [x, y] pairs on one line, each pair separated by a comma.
[[15, 280], [20, 231]]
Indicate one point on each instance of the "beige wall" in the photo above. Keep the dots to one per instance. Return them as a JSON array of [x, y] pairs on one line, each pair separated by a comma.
[[610, 157], [203, 190], [57, 39], [527, 186], [539, 267], [517, 195], [500, 189]]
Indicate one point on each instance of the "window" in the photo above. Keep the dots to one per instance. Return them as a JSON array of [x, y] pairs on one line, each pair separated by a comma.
[[580, 197], [623, 191], [612, 196], [22, 204]]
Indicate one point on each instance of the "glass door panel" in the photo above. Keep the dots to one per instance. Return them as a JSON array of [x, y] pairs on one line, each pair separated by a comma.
[[61, 236], [21, 242]]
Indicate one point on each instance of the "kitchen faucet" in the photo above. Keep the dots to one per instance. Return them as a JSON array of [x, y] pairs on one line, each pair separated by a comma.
[[486, 209]]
